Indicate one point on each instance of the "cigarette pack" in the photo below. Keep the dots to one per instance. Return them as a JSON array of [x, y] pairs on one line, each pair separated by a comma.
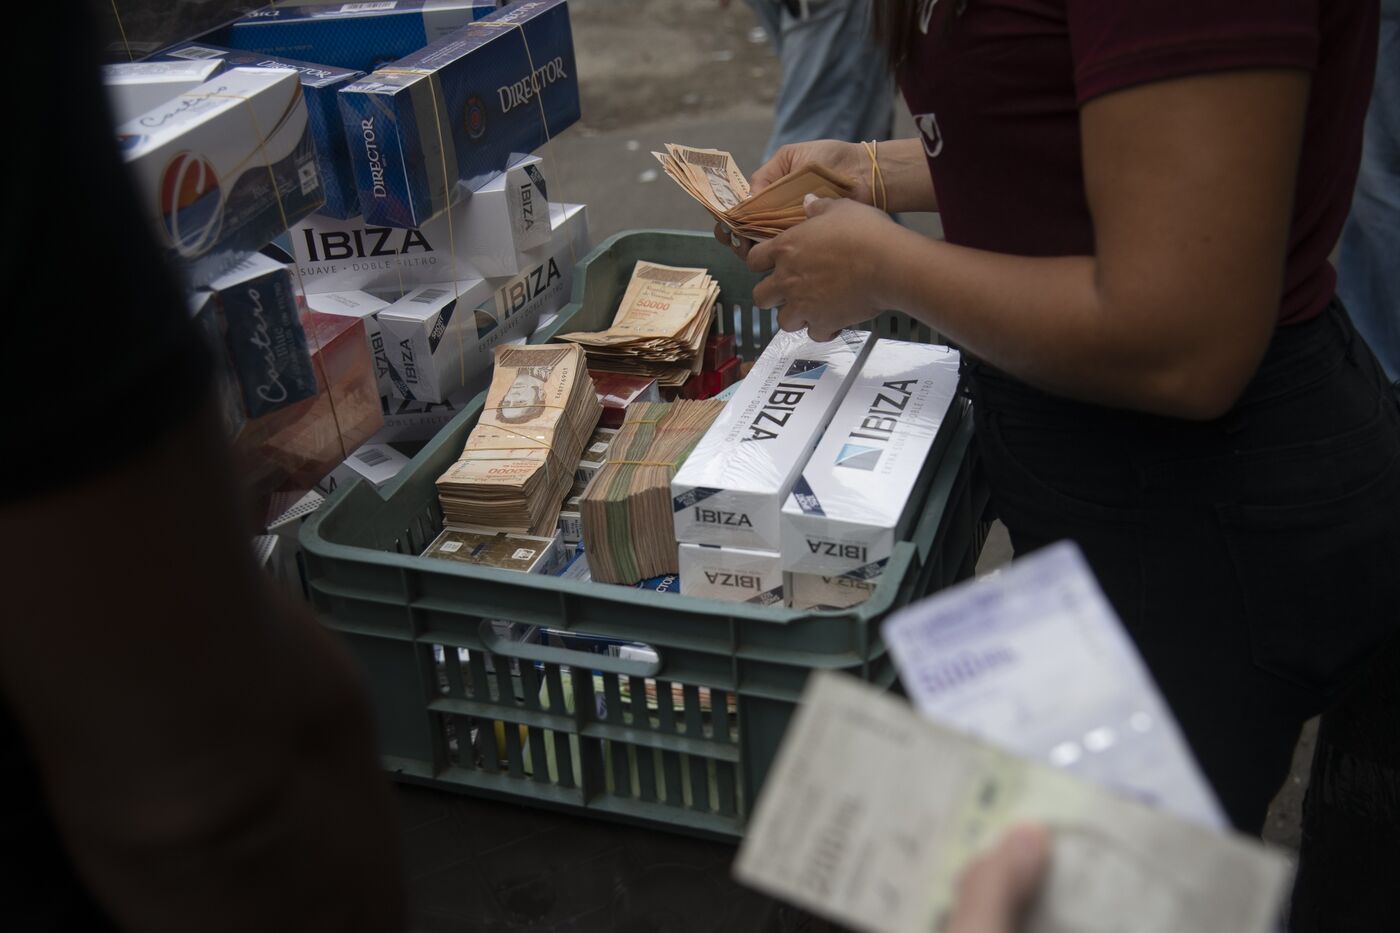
[[853, 498], [595, 454], [735, 575], [406, 420], [814, 591], [617, 390], [711, 382], [361, 36], [264, 335], [364, 307], [319, 85], [732, 487], [436, 350], [294, 448], [225, 167], [376, 464], [719, 349], [134, 88], [571, 522], [460, 110], [496, 231], [486, 547]]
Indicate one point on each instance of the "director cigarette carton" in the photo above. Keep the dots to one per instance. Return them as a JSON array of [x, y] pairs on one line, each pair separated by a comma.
[[731, 488], [360, 36], [460, 110], [854, 496]]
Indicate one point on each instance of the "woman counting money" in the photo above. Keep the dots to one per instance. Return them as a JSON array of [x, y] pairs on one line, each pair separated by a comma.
[[1139, 200]]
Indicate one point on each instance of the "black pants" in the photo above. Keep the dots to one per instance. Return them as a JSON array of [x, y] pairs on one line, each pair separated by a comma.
[[1254, 559]]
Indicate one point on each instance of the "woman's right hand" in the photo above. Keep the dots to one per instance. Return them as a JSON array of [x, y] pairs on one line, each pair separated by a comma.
[[848, 160]]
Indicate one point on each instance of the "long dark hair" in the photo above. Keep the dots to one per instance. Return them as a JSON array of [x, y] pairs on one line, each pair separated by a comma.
[[895, 23]]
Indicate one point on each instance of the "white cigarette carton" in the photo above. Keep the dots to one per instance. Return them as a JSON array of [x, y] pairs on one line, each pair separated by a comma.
[[814, 591], [498, 230], [735, 575], [441, 338], [133, 88], [431, 333], [374, 463], [225, 167], [852, 500], [365, 307], [731, 489], [416, 421]]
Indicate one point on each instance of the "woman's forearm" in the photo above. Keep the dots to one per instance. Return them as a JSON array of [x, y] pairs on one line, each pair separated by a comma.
[[907, 180]]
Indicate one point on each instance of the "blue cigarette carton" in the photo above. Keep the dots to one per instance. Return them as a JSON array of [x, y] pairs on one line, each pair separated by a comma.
[[360, 36], [462, 109], [319, 84], [264, 336]]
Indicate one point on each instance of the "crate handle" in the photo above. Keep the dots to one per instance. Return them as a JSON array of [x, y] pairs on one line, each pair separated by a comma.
[[579, 660]]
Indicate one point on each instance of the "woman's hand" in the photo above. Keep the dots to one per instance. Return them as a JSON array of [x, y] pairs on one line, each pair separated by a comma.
[[846, 159], [823, 270]]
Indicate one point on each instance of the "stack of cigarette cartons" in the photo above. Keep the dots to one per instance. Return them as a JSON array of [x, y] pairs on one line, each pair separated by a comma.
[[853, 499], [459, 110], [728, 495]]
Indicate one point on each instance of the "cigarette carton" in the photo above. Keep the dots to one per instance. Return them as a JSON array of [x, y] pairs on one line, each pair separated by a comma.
[[361, 36], [735, 575], [204, 310], [264, 335], [225, 167], [731, 488], [431, 333], [496, 231], [319, 85], [133, 88], [853, 498], [814, 591], [617, 390], [406, 420], [436, 350], [364, 307], [486, 547], [294, 448], [460, 110], [571, 521], [376, 464]]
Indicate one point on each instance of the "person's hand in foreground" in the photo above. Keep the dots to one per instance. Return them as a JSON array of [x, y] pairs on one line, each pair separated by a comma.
[[995, 890]]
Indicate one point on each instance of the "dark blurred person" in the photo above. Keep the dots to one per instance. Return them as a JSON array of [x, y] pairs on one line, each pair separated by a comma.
[[181, 749]]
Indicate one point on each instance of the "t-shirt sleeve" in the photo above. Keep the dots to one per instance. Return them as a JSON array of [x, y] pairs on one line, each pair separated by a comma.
[[1119, 43], [104, 359]]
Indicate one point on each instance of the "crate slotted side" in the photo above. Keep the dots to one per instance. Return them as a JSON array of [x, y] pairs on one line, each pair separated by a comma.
[[681, 744]]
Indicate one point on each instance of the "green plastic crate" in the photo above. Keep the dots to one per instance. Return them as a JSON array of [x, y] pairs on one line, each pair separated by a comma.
[[575, 730]]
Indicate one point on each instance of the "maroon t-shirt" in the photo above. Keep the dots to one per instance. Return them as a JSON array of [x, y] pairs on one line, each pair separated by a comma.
[[996, 93]]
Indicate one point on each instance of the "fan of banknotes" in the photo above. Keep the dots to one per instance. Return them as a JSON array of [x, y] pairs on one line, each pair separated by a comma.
[[519, 460], [660, 326], [629, 533], [711, 177]]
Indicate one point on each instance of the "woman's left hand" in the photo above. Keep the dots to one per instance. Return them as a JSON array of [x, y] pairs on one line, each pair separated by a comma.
[[822, 274]]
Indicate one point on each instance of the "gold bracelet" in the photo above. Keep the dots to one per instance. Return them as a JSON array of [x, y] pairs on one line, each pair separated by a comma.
[[878, 192]]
